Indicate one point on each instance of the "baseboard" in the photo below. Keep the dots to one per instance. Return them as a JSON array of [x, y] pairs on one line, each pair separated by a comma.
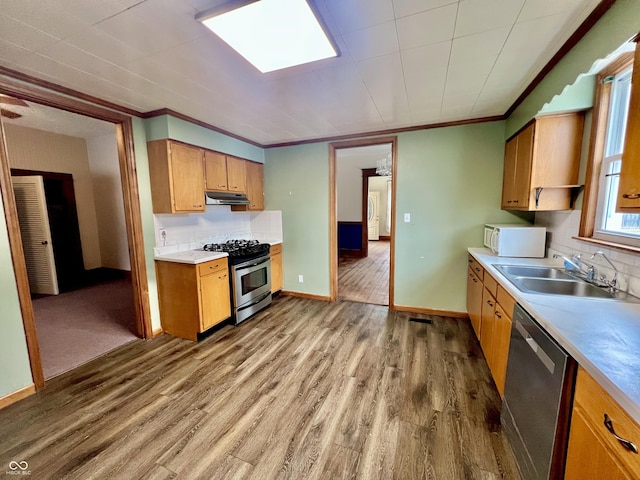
[[17, 395], [324, 298], [385, 238], [430, 311]]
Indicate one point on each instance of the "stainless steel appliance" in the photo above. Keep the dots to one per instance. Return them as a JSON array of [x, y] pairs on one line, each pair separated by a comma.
[[537, 399], [250, 275]]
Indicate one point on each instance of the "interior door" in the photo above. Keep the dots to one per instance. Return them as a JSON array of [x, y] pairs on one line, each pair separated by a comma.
[[36, 234], [373, 215]]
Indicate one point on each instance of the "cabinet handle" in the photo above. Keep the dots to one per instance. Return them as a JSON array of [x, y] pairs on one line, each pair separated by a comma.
[[224, 186], [498, 315], [489, 303], [631, 196], [223, 276], [197, 206], [474, 280], [625, 443]]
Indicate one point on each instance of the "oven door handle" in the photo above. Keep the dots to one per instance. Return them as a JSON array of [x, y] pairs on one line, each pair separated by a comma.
[[255, 302], [244, 267]]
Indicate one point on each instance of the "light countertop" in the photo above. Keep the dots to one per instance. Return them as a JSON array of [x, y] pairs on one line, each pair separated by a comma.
[[602, 335], [190, 256]]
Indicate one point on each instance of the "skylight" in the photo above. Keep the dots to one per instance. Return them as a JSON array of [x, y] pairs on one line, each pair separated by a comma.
[[272, 34]]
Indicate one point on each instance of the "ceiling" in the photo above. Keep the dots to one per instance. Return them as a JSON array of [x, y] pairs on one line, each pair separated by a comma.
[[403, 63]]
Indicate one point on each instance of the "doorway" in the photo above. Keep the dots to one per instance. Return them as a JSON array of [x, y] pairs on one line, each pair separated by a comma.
[[120, 129], [362, 239]]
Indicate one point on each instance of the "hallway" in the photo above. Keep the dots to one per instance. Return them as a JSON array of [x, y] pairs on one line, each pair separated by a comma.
[[366, 279]]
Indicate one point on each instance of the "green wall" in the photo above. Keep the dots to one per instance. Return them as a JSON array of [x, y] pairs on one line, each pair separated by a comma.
[[167, 126], [619, 24], [449, 179], [296, 181]]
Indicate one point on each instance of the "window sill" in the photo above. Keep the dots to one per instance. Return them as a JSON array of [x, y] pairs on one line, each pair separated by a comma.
[[604, 243]]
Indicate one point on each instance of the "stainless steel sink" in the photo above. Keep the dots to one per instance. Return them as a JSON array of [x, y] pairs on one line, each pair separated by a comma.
[[555, 281], [533, 272]]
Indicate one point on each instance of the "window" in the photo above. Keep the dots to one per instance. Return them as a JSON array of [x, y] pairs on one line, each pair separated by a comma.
[[600, 221]]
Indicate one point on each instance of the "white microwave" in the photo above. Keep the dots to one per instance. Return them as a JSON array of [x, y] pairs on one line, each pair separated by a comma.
[[515, 240]]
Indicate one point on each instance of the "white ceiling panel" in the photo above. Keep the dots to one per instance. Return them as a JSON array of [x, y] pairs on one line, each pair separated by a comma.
[[372, 41], [476, 16], [427, 27], [404, 8], [403, 62]]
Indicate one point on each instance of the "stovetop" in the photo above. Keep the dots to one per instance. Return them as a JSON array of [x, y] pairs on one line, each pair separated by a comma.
[[239, 250]]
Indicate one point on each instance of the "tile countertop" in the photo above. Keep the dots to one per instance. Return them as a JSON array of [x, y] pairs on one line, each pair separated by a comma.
[[602, 335]]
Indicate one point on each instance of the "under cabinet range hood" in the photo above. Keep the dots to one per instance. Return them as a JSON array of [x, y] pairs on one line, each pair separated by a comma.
[[226, 198]]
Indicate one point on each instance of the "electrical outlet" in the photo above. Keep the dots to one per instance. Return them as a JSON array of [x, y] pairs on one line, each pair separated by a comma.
[[300, 278], [407, 217]]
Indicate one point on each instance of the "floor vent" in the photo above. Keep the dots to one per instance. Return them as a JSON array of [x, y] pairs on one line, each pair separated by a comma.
[[420, 320]]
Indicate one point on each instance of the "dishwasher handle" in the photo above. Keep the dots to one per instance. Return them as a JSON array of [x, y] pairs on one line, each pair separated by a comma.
[[540, 353]]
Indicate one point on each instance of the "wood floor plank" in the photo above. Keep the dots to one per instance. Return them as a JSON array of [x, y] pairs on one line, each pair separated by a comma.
[[366, 279], [305, 389]]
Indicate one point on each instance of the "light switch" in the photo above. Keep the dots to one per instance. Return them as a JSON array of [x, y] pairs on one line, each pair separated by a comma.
[[407, 217]]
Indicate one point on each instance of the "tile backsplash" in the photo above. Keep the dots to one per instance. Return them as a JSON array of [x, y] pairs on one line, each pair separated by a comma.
[[178, 232], [562, 226]]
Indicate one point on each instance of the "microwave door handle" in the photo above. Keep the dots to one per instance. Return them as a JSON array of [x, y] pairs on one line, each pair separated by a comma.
[[494, 240]]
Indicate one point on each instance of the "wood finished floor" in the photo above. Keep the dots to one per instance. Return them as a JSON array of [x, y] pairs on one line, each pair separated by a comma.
[[304, 390], [366, 279]]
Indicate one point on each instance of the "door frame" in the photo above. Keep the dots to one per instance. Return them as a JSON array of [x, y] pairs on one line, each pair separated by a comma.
[[133, 218], [333, 210]]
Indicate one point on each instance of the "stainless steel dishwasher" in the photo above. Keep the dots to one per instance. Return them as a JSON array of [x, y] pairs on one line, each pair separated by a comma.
[[537, 399]]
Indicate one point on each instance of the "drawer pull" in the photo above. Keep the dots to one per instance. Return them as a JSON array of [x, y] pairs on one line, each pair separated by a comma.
[[631, 196], [625, 443], [489, 303], [497, 314]]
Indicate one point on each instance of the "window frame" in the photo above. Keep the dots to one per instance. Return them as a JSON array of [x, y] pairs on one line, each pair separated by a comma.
[[593, 184]]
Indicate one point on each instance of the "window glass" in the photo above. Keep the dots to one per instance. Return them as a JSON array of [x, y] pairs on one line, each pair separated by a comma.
[[611, 225]]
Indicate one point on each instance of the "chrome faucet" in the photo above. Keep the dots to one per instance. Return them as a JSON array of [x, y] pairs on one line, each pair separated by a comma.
[[613, 283], [587, 270]]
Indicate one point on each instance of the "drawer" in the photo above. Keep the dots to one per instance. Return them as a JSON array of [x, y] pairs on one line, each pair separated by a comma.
[[593, 401], [477, 268], [213, 266], [490, 284], [506, 301], [275, 249]]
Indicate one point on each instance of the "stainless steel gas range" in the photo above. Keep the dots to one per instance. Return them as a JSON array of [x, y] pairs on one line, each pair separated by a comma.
[[249, 275]]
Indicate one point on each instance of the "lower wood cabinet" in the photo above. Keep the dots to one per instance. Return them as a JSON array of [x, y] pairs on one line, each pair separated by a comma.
[[594, 451], [193, 298], [474, 294], [276, 267]]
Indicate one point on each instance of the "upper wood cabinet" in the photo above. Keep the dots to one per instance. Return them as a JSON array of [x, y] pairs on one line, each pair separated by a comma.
[[224, 173], [629, 186], [177, 177], [541, 164], [255, 187]]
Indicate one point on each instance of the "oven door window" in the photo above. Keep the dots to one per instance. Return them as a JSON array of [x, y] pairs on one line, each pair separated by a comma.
[[253, 281]]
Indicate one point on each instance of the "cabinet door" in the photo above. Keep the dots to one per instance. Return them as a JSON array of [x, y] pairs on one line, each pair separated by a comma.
[[629, 187], [255, 188], [276, 272], [488, 326], [236, 175], [509, 173], [215, 169], [587, 457], [474, 300], [187, 178], [500, 353], [214, 299], [524, 157]]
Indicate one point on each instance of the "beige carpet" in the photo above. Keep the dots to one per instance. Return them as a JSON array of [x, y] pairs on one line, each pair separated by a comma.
[[78, 326]]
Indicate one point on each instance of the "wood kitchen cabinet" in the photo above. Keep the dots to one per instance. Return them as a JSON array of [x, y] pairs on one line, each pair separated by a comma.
[[177, 177], [474, 294], [224, 173], [629, 187], [276, 267], [193, 298], [541, 164], [593, 450], [255, 187]]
